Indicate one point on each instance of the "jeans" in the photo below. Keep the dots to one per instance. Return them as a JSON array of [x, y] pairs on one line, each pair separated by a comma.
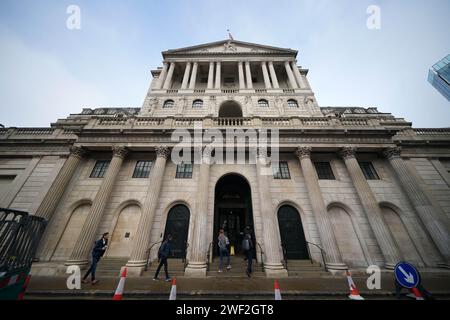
[[162, 262], [224, 252], [92, 268], [249, 257]]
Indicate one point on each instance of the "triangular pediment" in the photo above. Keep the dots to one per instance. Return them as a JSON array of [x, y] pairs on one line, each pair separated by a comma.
[[229, 47]]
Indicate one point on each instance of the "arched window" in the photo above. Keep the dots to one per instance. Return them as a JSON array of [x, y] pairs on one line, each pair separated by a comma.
[[168, 104], [292, 103], [263, 103], [197, 103]]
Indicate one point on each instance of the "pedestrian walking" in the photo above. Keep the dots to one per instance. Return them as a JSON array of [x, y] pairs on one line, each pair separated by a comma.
[[247, 247], [98, 252], [223, 243], [163, 253]]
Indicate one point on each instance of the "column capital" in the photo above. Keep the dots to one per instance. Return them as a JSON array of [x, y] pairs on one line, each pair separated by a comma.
[[207, 152], [78, 152], [119, 151], [347, 152], [303, 152], [162, 151], [392, 152]]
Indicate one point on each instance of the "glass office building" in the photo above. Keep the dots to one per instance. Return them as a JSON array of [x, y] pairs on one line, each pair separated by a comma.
[[439, 76]]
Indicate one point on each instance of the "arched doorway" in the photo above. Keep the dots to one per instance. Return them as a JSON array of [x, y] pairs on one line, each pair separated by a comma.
[[177, 226], [233, 210], [71, 232], [292, 234], [122, 238], [230, 109]]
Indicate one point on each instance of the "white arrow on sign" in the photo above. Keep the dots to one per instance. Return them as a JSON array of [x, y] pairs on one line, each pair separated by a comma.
[[408, 276]]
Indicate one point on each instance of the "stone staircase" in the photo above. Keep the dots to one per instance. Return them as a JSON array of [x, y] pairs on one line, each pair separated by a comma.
[[238, 268], [304, 268], [110, 267], [175, 268]]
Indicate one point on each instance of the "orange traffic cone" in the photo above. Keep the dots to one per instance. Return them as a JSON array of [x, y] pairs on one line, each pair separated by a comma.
[[119, 291], [417, 294], [24, 288], [354, 293], [277, 290], [173, 290]]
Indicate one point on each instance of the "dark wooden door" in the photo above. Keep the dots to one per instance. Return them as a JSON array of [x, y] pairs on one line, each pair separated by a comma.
[[291, 231], [177, 225]]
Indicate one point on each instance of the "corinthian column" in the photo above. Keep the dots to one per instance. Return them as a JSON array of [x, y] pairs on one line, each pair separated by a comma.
[[168, 81], [298, 76], [265, 75], [372, 209], [197, 257], [273, 75], [193, 76], [241, 75], [162, 75], [139, 252], [290, 75], [211, 75], [187, 71], [248, 75], [86, 239], [218, 75], [270, 230], [333, 258], [56, 191], [432, 220]]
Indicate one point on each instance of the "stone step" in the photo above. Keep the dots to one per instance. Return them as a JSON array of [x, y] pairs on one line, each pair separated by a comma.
[[302, 263]]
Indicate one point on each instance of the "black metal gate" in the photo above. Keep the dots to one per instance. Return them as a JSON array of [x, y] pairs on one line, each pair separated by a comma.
[[292, 235]]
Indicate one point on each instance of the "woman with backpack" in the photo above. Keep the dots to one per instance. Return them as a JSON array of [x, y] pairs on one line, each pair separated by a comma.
[[223, 243]]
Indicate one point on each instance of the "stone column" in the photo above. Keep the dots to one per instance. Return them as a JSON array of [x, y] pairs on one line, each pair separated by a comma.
[[199, 244], [372, 209], [298, 76], [273, 75], [265, 75], [86, 239], [432, 220], [248, 75], [241, 76], [162, 75], [271, 237], [56, 191], [290, 75], [333, 258], [141, 242], [211, 76], [168, 81], [218, 75], [187, 71], [193, 76]]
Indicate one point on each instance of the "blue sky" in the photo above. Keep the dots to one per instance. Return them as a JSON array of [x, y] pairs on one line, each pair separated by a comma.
[[48, 71]]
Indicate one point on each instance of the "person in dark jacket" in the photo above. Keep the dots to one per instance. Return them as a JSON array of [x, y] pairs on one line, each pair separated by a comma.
[[247, 247], [98, 251], [163, 253]]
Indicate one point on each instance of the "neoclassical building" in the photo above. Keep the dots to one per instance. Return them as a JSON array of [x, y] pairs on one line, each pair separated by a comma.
[[362, 185]]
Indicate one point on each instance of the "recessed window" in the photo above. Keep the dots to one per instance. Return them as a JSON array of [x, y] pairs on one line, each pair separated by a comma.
[[263, 103], [197, 103], [324, 170], [7, 178], [168, 104], [369, 171], [142, 169], [184, 171], [100, 169], [292, 103], [281, 170]]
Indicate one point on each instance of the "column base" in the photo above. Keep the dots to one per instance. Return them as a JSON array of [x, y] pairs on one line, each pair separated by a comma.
[[336, 266], [275, 270], [195, 270], [83, 262], [444, 265], [135, 268], [390, 265]]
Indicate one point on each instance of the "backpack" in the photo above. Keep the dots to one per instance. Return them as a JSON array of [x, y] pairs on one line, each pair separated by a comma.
[[246, 244]]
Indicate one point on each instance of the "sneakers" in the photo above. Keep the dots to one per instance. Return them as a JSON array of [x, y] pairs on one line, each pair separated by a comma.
[[228, 267], [94, 282], [168, 279], [220, 270], [248, 274], [155, 279]]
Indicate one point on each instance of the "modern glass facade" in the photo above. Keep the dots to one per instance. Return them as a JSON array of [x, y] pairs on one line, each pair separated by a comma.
[[439, 76]]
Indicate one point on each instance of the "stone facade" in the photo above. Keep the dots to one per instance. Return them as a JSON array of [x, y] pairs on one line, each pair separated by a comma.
[[400, 211]]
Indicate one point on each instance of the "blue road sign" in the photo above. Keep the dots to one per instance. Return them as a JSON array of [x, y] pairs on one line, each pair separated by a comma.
[[406, 275]]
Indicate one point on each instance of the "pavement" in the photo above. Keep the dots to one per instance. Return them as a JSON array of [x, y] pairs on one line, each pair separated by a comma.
[[324, 287]]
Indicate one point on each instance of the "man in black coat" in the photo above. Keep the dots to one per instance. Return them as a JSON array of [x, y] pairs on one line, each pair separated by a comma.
[[164, 251], [98, 251]]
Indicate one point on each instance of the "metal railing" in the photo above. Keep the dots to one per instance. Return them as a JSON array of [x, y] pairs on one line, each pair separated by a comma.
[[209, 255], [20, 234], [261, 255], [148, 255], [185, 261], [322, 252]]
